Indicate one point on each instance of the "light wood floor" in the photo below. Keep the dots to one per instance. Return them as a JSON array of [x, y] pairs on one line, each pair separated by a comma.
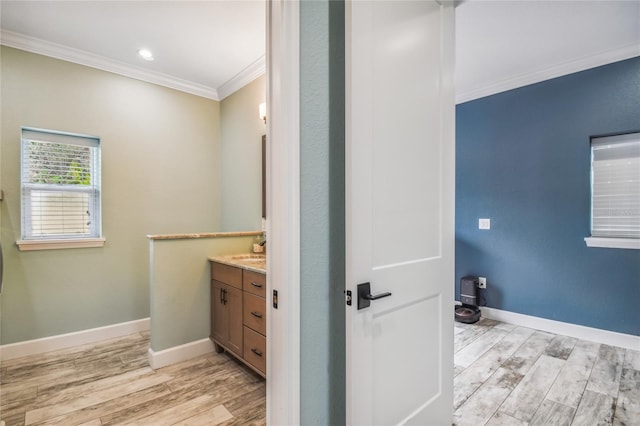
[[111, 383], [509, 375], [504, 375]]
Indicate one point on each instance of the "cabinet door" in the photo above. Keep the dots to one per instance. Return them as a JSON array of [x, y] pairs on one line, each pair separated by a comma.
[[219, 317], [233, 303]]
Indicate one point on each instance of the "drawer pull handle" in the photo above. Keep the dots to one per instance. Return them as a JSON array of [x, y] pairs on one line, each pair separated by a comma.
[[256, 314], [257, 352], [256, 284]]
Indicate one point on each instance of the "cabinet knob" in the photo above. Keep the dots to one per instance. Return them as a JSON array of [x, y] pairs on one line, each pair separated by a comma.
[[256, 351], [256, 314]]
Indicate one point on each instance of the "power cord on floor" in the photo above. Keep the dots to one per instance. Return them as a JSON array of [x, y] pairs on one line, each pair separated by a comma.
[[482, 301]]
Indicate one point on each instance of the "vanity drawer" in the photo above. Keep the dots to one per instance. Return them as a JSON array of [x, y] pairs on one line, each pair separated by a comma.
[[254, 283], [254, 313], [255, 349], [230, 275]]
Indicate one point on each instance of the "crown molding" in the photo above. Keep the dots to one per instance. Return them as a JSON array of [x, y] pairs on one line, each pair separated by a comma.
[[602, 58], [58, 51], [244, 77]]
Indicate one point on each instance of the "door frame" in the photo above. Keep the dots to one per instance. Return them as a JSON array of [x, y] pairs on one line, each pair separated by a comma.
[[283, 208], [283, 211]]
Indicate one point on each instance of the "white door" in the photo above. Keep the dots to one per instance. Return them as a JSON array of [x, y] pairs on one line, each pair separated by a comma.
[[400, 211]]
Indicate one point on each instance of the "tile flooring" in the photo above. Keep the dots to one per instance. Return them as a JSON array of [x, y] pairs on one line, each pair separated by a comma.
[[510, 375], [110, 383], [504, 375]]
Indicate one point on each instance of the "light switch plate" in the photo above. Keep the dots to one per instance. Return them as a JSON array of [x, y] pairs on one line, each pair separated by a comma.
[[484, 223]]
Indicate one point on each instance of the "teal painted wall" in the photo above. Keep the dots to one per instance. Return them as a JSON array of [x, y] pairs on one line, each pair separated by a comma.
[[534, 184], [322, 213]]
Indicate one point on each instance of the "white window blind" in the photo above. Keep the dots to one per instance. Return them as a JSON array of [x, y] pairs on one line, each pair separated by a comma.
[[60, 185], [615, 186]]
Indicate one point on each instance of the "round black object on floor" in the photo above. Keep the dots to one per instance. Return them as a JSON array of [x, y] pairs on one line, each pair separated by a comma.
[[467, 314]]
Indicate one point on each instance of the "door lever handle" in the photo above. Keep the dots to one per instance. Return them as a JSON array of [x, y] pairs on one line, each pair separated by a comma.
[[365, 297], [377, 296]]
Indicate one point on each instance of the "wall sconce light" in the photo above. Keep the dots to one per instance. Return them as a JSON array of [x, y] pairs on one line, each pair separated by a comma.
[[263, 112]]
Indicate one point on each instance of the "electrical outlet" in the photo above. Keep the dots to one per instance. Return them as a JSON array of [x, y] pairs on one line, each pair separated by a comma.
[[484, 223], [482, 282]]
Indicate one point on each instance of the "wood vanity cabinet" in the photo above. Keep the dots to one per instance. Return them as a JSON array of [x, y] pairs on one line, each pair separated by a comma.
[[238, 314], [226, 318]]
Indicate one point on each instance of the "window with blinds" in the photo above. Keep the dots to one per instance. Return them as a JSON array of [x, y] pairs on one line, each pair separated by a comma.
[[615, 186], [60, 185]]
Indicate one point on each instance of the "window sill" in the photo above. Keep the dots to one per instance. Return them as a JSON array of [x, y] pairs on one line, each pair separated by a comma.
[[29, 245], [622, 243]]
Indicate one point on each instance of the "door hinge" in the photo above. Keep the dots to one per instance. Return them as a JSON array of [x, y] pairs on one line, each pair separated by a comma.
[[347, 297]]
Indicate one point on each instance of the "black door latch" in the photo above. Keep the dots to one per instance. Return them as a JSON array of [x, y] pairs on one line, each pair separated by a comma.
[[365, 297]]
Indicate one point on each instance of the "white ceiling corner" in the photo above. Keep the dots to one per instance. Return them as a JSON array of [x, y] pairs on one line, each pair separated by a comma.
[[553, 71], [66, 53], [213, 48], [503, 45], [199, 46], [244, 77]]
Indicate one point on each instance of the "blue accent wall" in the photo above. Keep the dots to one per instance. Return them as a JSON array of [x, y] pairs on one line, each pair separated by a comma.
[[523, 160]]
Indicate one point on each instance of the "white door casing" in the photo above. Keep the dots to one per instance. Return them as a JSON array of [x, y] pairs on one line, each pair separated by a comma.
[[283, 212], [400, 211]]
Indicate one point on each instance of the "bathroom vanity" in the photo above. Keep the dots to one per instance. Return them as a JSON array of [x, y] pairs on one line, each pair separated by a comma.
[[238, 308]]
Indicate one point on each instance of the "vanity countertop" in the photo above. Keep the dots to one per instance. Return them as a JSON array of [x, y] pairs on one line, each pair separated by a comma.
[[249, 261]]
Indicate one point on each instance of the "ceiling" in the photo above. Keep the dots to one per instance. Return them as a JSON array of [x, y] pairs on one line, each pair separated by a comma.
[[212, 48], [501, 45], [198, 46]]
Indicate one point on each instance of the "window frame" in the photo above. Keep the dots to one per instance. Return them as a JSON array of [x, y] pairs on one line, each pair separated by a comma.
[[44, 242], [607, 241]]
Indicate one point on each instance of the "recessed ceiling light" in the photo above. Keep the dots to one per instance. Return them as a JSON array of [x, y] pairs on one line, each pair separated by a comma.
[[146, 54]]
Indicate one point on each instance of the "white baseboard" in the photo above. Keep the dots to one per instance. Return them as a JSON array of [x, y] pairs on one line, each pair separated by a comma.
[[63, 341], [627, 341], [179, 353]]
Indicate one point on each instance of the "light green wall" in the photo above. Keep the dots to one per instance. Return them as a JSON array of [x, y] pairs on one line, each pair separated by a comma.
[[160, 174], [241, 153], [1, 277], [322, 213], [180, 287]]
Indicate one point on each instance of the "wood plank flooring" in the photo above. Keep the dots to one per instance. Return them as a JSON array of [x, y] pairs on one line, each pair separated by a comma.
[[504, 375], [510, 375], [111, 383]]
